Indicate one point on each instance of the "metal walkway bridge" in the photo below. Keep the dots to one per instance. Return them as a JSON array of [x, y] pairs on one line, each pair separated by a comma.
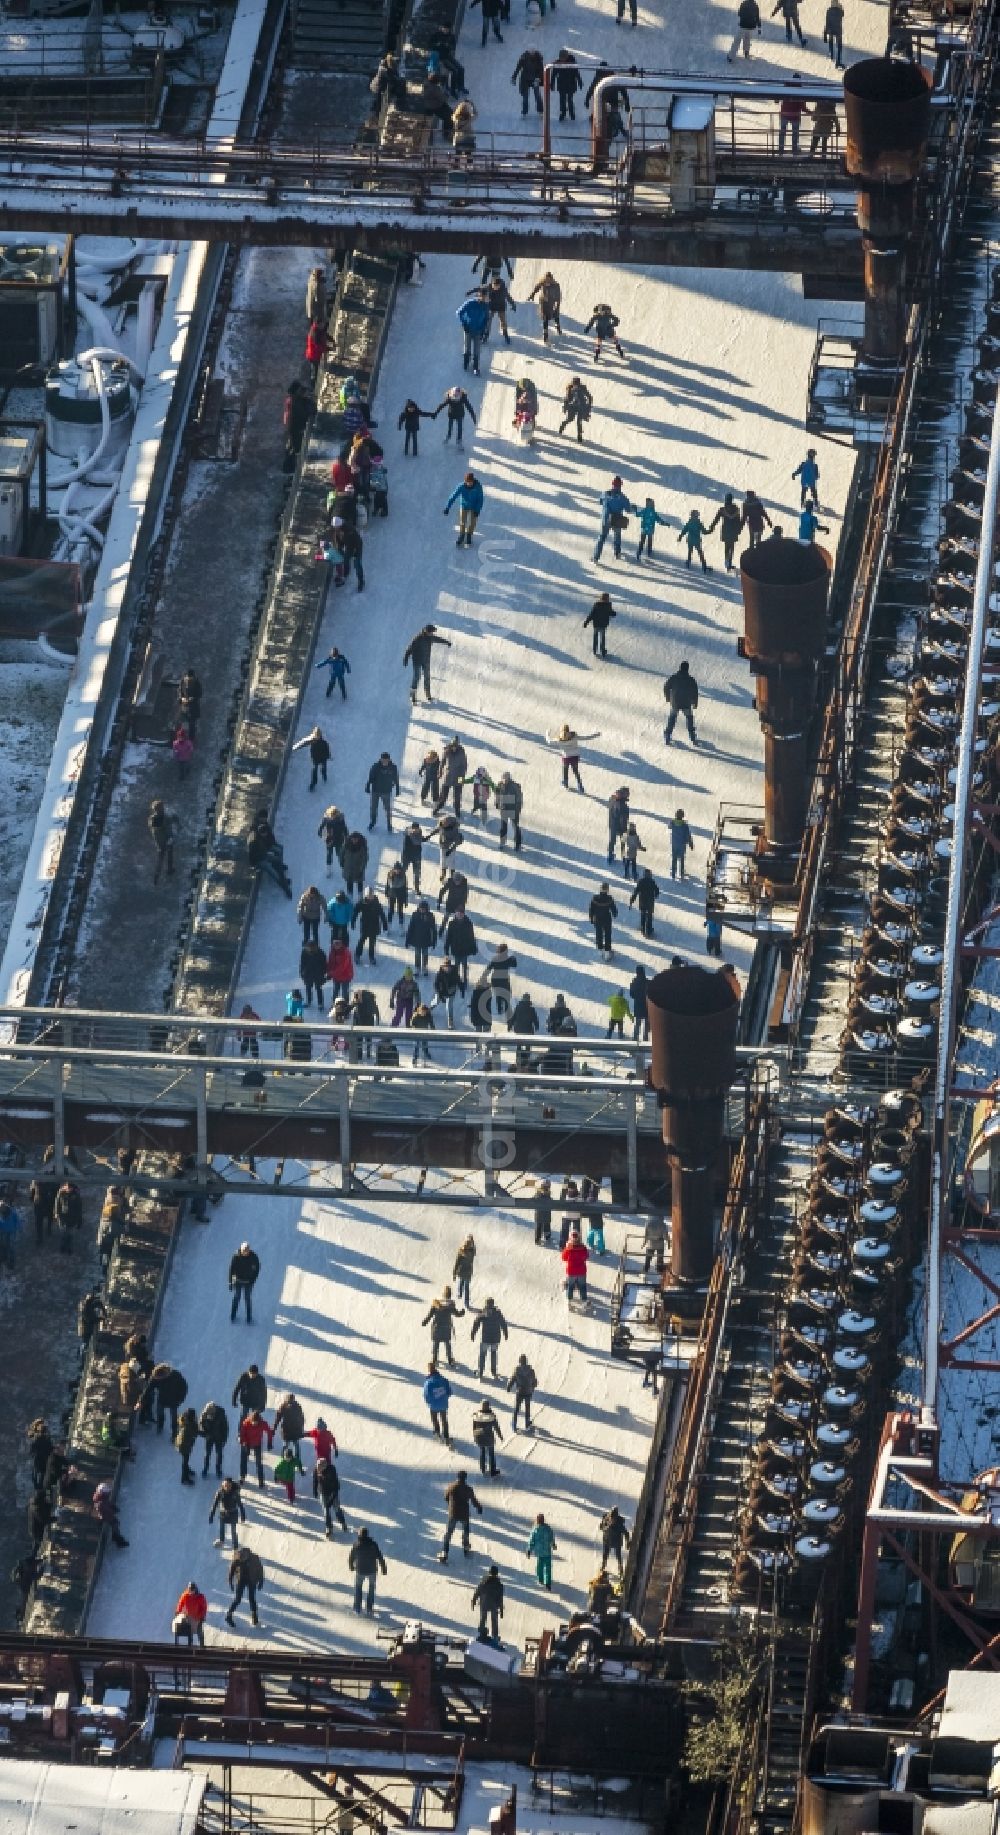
[[89, 1084], [789, 211]]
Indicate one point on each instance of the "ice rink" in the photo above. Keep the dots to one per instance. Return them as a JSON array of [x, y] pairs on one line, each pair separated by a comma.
[[337, 1319], [711, 397]]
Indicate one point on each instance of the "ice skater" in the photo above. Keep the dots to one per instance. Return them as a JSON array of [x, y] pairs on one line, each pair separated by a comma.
[[604, 324], [807, 474], [693, 533]]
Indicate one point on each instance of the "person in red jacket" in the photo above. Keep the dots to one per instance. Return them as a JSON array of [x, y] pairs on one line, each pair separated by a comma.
[[253, 1430], [324, 1441], [341, 476], [316, 346], [190, 1613], [340, 968], [575, 1257]]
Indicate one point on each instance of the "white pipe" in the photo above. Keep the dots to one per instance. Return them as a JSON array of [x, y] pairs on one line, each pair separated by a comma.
[[941, 1163], [97, 322]]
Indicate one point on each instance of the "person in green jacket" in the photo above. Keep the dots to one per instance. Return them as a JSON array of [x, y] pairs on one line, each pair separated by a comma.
[[541, 1545], [693, 532], [286, 1468], [620, 1011]]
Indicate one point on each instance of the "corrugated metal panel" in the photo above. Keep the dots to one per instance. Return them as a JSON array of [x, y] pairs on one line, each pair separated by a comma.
[[49, 1799]]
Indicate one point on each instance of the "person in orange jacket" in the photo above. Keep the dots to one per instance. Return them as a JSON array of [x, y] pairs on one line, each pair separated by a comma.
[[575, 1257], [190, 1614]]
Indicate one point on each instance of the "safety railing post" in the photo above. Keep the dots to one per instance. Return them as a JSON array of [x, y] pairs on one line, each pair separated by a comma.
[[344, 1092], [58, 1119], [632, 1142]]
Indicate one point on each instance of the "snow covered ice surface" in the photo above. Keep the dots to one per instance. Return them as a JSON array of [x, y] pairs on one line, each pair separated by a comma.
[[337, 1316], [711, 397]]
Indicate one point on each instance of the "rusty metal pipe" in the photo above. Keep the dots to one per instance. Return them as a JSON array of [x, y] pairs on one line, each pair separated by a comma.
[[887, 104], [785, 588], [692, 1023]]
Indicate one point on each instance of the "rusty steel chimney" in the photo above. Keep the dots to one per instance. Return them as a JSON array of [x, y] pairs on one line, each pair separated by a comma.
[[692, 1026], [888, 108], [785, 587]]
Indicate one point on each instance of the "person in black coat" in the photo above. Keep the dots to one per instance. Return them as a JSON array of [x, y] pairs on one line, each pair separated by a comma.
[[371, 920], [543, 1213], [313, 971], [382, 786], [645, 894], [421, 935], [460, 943], [600, 616], [528, 77], [602, 910], [409, 424], [637, 988], [167, 1389], [492, 10], [326, 1486], [566, 80], [213, 1426], [244, 1269], [250, 1391], [489, 1327]]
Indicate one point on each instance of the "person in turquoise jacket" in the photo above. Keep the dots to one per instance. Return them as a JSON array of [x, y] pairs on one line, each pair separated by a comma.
[[542, 1544], [693, 532], [339, 912], [648, 516], [469, 497], [809, 523]]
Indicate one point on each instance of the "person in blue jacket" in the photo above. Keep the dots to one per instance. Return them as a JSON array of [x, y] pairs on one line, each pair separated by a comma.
[[469, 496], [437, 1395], [474, 316], [808, 476], [339, 912], [809, 522], [339, 668], [614, 507], [648, 516]]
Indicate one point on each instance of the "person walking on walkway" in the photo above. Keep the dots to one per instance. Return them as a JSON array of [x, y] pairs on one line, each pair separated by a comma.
[[528, 77], [523, 1380], [754, 518], [728, 519], [457, 405], [566, 80], [614, 513], [680, 691], [190, 1614], [615, 1537], [578, 405], [338, 669], [681, 843], [602, 910], [213, 1428], [485, 1433], [162, 825], [469, 497], [253, 1431], [833, 33], [807, 474], [319, 754], [227, 1504], [569, 743], [244, 1269], [460, 1498], [810, 525], [488, 1596], [747, 23], [382, 785], [645, 894], [489, 1327], [185, 1440], [474, 314], [789, 10], [693, 533], [326, 1486], [441, 1316], [548, 293], [541, 1547], [418, 655], [437, 1395], [409, 425], [246, 1576], [599, 616], [366, 1561]]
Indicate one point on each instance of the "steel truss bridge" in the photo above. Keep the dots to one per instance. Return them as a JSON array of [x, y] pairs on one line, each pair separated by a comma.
[[89, 1084]]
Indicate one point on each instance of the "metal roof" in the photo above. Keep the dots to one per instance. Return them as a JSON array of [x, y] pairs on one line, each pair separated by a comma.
[[50, 1799]]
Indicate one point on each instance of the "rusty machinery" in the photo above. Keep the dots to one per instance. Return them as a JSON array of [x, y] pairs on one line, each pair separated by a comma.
[[888, 110], [785, 591], [692, 1022]]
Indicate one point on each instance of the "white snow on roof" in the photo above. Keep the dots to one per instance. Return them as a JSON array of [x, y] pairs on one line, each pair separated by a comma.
[[50, 1799]]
